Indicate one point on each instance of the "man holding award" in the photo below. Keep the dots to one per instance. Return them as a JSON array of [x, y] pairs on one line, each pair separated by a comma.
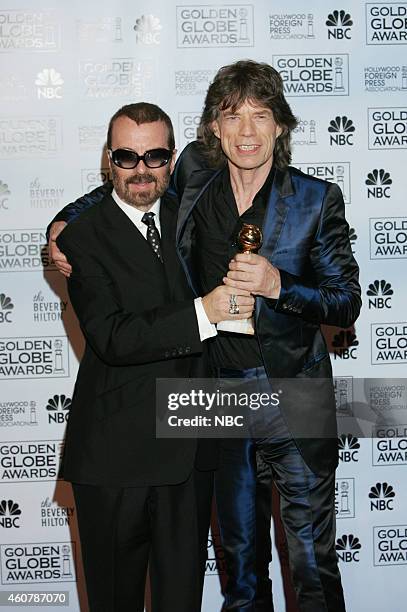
[[250, 220]]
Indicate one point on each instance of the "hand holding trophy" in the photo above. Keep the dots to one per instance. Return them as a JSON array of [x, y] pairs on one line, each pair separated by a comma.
[[249, 240]]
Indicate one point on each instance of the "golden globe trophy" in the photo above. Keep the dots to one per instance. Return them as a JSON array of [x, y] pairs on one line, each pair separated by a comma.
[[249, 240]]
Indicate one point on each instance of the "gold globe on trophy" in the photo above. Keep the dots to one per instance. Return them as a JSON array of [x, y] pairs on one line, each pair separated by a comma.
[[249, 240]]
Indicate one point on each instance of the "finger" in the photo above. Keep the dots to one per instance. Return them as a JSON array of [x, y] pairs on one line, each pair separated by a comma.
[[249, 258], [234, 291], [239, 276], [237, 285], [64, 268], [240, 266]]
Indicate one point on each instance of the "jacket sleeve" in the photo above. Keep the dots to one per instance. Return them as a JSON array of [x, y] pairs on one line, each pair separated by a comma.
[[117, 336], [192, 158], [72, 210], [331, 293]]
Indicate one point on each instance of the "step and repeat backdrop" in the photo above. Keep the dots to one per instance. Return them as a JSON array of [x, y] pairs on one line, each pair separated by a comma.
[[66, 68]]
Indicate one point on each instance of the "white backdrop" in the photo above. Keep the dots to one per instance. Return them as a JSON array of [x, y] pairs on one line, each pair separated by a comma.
[[66, 68]]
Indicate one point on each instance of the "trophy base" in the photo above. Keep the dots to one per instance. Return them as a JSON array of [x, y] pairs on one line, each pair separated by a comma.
[[242, 326]]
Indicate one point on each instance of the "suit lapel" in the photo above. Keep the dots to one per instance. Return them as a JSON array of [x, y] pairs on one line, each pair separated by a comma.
[[133, 246], [276, 212], [168, 221]]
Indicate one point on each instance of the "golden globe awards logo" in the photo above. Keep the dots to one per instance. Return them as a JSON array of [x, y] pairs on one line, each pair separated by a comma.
[[24, 251], [100, 31], [387, 128], [117, 77], [93, 177], [188, 124], [215, 563], [206, 26], [389, 343], [388, 238], [29, 461], [25, 563], [293, 26], [28, 137], [313, 75], [390, 545], [91, 137], [386, 23], [390, 442], [35, 357], [345, 498], [335, 172], [25, 30]]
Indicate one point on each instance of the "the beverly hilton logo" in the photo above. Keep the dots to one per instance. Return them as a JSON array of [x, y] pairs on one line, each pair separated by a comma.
[[339, 25], [341, 130], [148, 30]]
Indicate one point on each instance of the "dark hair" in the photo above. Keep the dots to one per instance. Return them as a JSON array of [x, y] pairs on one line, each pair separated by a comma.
[[231, 87], [142, 112]]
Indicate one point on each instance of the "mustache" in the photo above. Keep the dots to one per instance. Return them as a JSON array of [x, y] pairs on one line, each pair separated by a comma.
[[141, 178]]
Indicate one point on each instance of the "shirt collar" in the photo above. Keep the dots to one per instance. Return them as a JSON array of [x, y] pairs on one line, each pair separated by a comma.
[[134, 213]]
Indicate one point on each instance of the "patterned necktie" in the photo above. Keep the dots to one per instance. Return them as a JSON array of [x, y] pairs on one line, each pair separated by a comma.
[[153, 237]]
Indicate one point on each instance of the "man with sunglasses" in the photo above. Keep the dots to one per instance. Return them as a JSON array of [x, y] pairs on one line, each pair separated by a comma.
[[140, 500]]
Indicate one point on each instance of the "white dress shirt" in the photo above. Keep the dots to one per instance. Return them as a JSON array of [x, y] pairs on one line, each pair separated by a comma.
[[206, 328]]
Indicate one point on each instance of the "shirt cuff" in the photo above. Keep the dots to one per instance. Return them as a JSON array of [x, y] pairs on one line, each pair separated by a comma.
[[206, 328]]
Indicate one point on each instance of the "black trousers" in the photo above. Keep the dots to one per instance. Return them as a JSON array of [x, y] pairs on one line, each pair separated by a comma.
[[125, 530]]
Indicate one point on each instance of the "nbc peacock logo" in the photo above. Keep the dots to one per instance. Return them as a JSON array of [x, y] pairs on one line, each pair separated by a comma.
[[382, 496], [6, 307], [348, 446], [344, 344], [148, 30], [341, 131], [339, 25], [10, 514], [58, 407], [378, 183], [379, 293], [348, 547]]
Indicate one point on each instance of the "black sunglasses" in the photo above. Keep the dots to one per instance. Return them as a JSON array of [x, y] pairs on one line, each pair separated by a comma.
[[128, 159]]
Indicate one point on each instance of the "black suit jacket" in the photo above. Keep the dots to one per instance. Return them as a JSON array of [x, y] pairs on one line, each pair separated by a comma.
[[139, 321]]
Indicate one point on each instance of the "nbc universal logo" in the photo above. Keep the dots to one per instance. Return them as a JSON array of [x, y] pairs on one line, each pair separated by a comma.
[[314, 75], [390, 545], [116, 77], [30, 461], [4, 196], [36, 357], [387, 128], [28, 137], [215, 562], [28, 30], [24, 251], [336, 172], [389, 343], [6, 309], [188, 124], [49, 84], [345, 344], [291, 26], [345, 498], [348, 548], [148, 30], [92, 178], [58, 409], [348, 448], [339, 25], [39, 562], [382, 497], [379, 293], [212, 25], [386, 23], [388, 238], [10, 514], [378, 184]]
